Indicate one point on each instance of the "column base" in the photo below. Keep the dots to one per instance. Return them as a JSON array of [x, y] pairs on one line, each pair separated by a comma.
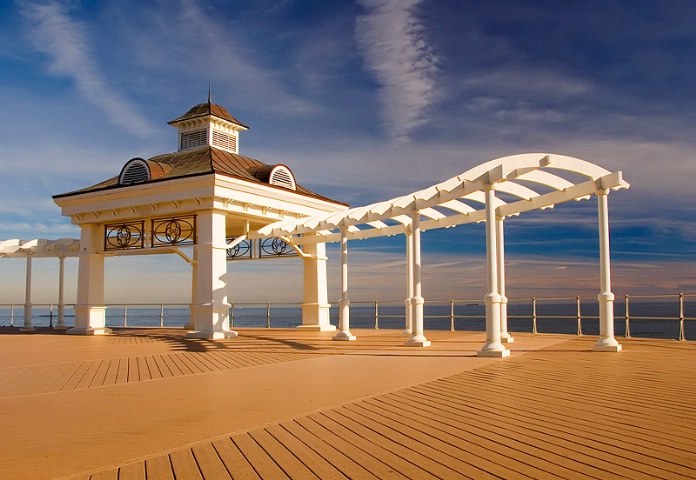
[[60, 327], [507, 339], [606, 348], [212, 335], [317, 328], [417, 343], [89, 331], [493, 353], [189, 326], [345, 336], [27, 329]]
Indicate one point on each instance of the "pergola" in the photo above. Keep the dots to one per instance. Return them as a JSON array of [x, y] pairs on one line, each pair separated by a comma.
[[38, 248], [489, 192]]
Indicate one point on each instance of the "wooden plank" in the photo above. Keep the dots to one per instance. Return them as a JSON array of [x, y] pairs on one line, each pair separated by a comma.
[[122, 372], [64, 377], [292, 467], [209, 462], [134, 471], [100, 375], [234, 461], [88, 375], [258, 458], [159, 468], [184, 465], [106, 475]]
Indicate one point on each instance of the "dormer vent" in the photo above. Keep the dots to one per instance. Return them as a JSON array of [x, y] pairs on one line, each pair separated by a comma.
[[281, 176], [134, 171], [194, 139], [223, 140]]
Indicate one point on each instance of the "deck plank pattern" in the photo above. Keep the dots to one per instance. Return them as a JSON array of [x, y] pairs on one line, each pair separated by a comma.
[[556, 412]]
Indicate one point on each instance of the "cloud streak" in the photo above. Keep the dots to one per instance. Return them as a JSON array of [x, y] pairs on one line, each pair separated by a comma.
[[395, 51], [63, 39]]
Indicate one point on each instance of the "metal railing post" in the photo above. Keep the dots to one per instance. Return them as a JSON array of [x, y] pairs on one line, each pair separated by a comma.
[[451, 315], [125, 314], [232, 315], [682, 337], [161, 315], [534, 315], [628, 319], [50, 316], [376, 315], [268, 315], [577, 300]]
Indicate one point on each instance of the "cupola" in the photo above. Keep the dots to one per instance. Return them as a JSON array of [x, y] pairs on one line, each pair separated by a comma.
[[208, 124]]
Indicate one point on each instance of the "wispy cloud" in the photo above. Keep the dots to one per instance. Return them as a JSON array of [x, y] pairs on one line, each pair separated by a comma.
[[53, 32], [394, 46]]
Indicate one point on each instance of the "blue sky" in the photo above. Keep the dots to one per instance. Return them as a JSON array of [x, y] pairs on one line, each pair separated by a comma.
[[366, 100]]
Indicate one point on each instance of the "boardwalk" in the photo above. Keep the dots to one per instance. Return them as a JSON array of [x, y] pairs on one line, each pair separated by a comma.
[[280, 404]]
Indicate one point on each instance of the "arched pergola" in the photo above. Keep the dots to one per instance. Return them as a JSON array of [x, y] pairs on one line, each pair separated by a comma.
[[489, 192]]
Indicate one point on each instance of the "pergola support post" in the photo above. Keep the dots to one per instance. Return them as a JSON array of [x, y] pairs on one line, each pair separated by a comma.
[[344, 303], [493, 346], [417, 337], [27, 326], [60, 325], [606, 342], [408, 328], [315, 307], [504, 335]]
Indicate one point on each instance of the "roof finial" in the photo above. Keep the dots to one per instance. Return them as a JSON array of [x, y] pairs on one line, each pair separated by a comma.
[[209, 96]]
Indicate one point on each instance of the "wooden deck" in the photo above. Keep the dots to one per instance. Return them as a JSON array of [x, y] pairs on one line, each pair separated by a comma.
[[277, 404]]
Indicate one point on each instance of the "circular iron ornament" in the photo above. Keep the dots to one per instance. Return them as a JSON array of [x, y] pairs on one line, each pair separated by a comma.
[[123, 236], [172, 231], [278, 246], [242, 249]]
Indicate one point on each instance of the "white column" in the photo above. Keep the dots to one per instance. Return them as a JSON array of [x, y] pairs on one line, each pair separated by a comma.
[[315, 306], [90, 311], [606, 342], [493, 346], [211, 311], [409, 281], [344, 304], [61, 294], [194, 288], [417, 337], [27, 327], [504, 335]]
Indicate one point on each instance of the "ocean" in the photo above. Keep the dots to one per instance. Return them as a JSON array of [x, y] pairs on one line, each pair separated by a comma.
[[651, 319]]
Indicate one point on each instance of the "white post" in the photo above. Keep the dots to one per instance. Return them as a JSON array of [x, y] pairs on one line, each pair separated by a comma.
[[27, 327], [194, 286], [409, 281], [315, 306], [417, 338], [211, 316], [61, 294], [493, 346], [606, 342], [344, 304], [90, 311], [504, 335]]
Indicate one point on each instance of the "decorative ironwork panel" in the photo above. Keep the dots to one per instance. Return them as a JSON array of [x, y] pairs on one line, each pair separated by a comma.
[[124, 236], [275, 247], [242, 250], [174, 231]]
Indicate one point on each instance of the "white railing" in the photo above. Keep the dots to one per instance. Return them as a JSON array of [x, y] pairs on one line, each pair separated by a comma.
[[524, 314]]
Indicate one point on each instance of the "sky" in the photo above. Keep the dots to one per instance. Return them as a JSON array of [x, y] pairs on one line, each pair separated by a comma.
[[365, 100]]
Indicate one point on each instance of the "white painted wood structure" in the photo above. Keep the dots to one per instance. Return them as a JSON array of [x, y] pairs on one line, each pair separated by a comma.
[[41, 248], [489, 192], [205, 197]]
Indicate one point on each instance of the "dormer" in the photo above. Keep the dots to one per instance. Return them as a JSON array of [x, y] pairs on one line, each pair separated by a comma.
[[208, 124]]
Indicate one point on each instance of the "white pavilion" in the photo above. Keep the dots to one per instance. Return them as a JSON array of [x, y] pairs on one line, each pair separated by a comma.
[[207, 199]]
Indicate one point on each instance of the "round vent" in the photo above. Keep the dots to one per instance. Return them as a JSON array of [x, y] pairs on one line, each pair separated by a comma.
[[281, 176], [135, 171]]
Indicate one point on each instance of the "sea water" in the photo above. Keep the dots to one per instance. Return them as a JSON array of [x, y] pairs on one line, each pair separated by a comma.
[[648, 319]]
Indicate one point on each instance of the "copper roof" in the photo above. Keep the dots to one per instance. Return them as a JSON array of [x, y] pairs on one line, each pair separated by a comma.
[[202, 161], [205, 109]]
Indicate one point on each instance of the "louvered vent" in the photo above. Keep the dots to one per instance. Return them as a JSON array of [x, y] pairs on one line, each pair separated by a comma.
[[282, 177], [135, 171], [193, 139], [223, 140]]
